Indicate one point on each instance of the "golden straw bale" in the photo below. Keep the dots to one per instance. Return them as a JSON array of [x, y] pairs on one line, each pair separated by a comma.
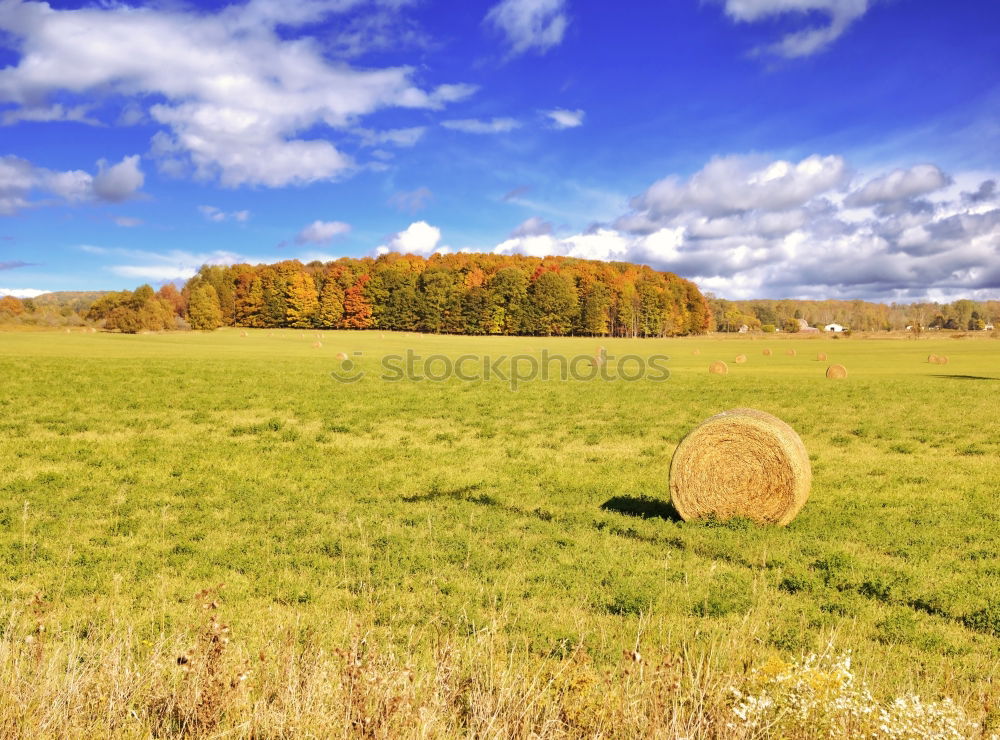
[[742, 462], [836, 372], [718, 368], [821, 357], [767, 352], [740, 359], [791, 353]]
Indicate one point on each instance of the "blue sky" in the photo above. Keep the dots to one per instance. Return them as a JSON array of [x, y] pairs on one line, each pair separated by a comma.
[[763, 148]]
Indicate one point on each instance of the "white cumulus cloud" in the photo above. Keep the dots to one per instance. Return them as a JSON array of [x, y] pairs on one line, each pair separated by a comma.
[[418, 238], [22, 292], [21, 181], [900, 185], [562, 118], [232, 94], [744, 227]]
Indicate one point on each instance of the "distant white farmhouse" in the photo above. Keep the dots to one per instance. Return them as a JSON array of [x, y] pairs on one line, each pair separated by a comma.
[[743, 329], [988, 327], [833, 327]]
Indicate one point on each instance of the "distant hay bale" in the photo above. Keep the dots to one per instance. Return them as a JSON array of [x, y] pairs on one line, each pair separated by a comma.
[[742, 462], [836, 372], [740, 359], [821, 357], [244, 334], [696, 352], [942, 359], [718, 368], [767, 352], [933, 359], [317, 345], [791, 353], [341, 356]]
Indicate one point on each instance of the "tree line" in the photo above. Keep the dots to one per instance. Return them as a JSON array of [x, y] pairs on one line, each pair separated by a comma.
[[454, 294], [963, 315]]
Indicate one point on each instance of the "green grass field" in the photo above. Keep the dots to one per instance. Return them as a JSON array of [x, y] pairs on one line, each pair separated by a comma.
[[530, 526]]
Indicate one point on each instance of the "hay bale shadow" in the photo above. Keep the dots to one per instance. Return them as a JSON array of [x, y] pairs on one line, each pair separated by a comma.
[[642, 506], [965, 377]]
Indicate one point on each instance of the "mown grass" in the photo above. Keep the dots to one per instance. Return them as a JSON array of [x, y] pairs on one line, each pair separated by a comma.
[[532, 527]]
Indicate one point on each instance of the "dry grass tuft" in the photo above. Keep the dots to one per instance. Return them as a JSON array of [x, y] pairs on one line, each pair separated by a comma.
[[718, 368], [740, 359], [836, 372], [741, 463]]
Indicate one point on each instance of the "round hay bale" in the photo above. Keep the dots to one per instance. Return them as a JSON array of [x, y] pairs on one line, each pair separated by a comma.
[[933, 359], [317, 345], [740, 359], [942, 359], [836, 372], [718, 368], [821, 357], [791, 353], [742, 462], [696, 352], [767, 352], [341, 356]]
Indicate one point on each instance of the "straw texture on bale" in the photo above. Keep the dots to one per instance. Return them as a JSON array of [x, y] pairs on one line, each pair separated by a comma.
[[821, 356], [718, 368], [767, 352], [742, 462], [740, 359], [791, 353], [836, 372]]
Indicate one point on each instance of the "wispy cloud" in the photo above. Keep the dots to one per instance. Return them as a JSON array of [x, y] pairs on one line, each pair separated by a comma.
[[212, 213], [807, 41], [411, 201], [15, 264], [478, 126], [530, 25], [322, 232]]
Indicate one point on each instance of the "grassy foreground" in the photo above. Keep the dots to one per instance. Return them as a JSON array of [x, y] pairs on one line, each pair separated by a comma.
[[206, 534]]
